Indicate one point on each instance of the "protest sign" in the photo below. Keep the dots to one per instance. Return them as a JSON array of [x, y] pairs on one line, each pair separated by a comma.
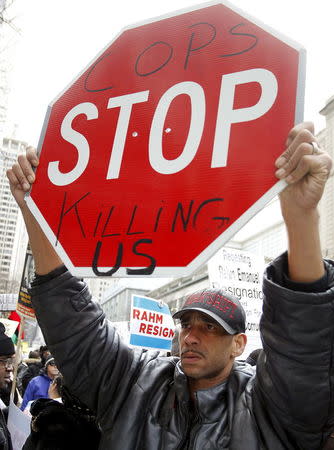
[[10, 326], [151, 324], [240, 274], [18, 425], [186, 104]]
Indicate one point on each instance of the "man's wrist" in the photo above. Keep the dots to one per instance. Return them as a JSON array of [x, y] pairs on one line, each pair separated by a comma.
[[300, 216]]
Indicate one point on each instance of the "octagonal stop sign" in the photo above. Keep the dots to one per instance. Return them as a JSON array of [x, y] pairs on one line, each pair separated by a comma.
[[164, 146]]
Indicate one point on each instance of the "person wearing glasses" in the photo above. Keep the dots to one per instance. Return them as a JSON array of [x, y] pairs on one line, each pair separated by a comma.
[[7, 355], [39, 386]]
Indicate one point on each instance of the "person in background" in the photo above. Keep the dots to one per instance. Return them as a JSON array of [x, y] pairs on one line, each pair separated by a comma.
[[55, 389], [7, 356], [35, 367], [62, 423], [33, 359], [38, 387]]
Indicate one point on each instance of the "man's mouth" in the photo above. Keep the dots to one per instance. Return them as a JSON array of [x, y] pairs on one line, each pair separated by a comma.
[[191, 357]]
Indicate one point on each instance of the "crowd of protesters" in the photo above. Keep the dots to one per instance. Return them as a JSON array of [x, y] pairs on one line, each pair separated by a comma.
[[58, 419]]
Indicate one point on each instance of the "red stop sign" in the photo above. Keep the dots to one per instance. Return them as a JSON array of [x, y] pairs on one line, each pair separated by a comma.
[[162, 148]]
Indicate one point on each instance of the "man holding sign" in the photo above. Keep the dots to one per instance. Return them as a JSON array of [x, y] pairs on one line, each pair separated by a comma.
[[206, 400]]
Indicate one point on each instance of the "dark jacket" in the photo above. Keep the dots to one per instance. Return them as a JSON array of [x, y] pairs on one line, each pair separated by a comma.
[[141, 399], [33, 367], [65, 426], [5, 439]]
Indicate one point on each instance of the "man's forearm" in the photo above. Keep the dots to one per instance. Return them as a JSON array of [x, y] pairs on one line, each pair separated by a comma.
[[304, 246], [45, 257]]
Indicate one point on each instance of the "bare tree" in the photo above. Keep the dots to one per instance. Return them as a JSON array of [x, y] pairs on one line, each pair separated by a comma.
[[5, 14]]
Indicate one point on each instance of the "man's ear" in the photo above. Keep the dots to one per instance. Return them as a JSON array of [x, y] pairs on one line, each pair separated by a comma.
[[239, 344]]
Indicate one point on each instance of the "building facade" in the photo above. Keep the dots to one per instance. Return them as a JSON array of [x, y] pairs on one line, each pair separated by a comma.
[[117, 302], [13, 238], [269, 237]]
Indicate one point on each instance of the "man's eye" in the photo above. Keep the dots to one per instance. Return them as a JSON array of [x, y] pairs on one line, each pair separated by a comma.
[[184, 324], [210, 326]]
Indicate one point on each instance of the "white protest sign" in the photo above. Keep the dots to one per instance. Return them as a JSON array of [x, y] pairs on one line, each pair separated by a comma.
[[151, 324], [240, 274], [18, 425], [10, 326]]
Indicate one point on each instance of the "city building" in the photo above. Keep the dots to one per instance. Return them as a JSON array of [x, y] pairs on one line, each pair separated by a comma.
[[174, 292], [265, 233], [117, 301], [13, 237], [326, 139], [99, 286]]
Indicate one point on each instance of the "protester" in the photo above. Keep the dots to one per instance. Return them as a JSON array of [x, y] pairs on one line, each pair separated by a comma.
[[206, 399], [7, 355], [6, 392], [24, 369], [34, 367], [55, 388], [64, 425], [38, 387]]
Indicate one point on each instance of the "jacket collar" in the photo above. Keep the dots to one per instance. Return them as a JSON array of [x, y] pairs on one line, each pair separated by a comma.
[[211, 403]]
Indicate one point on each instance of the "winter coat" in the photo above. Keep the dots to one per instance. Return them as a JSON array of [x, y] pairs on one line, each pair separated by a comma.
[[38, 387], [142, 401], [67, 426], [5, 439], [32, 369]]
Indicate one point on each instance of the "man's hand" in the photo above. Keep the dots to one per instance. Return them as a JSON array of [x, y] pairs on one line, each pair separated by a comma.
[[305, 171], [305, 168], [21, 175]]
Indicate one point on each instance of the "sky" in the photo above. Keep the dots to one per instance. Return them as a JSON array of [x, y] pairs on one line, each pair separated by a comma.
[[59, 38]]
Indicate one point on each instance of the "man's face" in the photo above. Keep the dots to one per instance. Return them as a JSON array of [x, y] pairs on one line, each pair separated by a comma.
[[52, 370], [6, 369], [205, 350]]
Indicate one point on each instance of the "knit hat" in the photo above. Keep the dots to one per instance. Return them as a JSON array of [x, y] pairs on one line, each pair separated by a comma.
[[6, 344], [49, 360], [218, 304]]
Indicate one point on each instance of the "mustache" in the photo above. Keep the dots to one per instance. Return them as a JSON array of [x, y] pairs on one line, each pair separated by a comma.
[[189, 350]]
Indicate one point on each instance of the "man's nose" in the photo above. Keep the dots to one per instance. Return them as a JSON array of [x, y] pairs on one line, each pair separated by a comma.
[[192, 336]]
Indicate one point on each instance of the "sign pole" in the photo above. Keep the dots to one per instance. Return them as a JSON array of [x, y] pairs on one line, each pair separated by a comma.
[[17, 356]]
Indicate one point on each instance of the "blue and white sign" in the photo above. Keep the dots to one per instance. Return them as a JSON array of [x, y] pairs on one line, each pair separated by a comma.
[[151, 324]]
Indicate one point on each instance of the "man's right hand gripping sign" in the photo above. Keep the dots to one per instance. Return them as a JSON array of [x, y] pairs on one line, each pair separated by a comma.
[[208, 398]]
